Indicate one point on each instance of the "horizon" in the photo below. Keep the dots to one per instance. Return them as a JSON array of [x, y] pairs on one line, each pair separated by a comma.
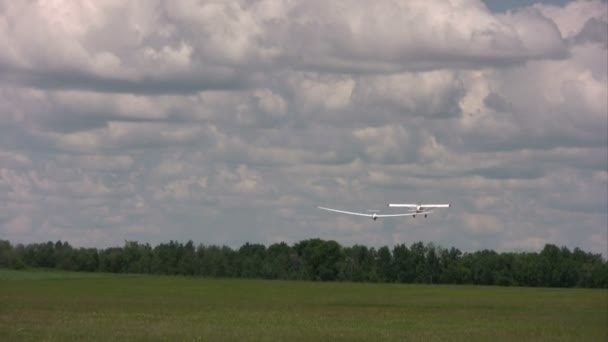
[[292, 244]]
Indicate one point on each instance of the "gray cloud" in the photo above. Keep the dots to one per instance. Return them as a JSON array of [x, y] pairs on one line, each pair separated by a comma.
[[344, 38], [497, 103], [185, 83], [185, 47], [508, 172], [594, 31], [229, 122]]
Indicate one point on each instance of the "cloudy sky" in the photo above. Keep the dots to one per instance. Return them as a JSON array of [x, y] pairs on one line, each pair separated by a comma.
[[227, 122]]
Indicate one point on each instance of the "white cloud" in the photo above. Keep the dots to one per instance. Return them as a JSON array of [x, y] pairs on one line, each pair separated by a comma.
[[18, 225], [388, 144], [270, 103], [322, 94], [111, 163], [451, 33], [14, 158], [571, 19], [482, 224], [433, 94], [187, 46], [182, 189]]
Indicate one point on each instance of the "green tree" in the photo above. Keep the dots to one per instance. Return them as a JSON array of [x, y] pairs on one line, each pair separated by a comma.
[[384, 265], [452, 270], [403, 264], [322, 258], [86, 259], [250, 260], [433, 263], [187, 259], [317, 259], [277, 264], [6, 254], [418, 255]]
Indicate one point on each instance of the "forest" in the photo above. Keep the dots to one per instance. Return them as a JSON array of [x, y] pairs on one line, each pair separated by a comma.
[[323, 260]]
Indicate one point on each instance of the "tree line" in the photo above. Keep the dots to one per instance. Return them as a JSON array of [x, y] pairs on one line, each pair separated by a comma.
[[322, 260]]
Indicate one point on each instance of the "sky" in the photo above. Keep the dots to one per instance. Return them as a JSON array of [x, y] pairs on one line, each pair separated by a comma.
[[226, 122], [505, 5]]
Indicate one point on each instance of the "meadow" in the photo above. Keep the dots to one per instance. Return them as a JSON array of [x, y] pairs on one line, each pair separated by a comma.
[[63, 306]]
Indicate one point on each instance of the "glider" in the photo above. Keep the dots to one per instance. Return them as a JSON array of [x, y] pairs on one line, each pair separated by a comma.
[[373, 215], [419, 208]]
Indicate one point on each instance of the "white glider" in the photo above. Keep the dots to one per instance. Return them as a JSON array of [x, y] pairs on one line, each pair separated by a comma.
[[373, 215], [419, 208]]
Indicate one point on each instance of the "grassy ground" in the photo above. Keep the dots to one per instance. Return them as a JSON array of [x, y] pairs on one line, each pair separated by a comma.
[[64, 306]]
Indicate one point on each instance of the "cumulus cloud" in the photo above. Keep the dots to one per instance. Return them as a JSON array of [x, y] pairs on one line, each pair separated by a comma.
[[344, 37], [188, 46], [574, 16], [229, 121]]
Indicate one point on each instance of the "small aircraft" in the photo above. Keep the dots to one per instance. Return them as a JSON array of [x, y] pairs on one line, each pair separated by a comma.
[[419, 208], [414, 209]]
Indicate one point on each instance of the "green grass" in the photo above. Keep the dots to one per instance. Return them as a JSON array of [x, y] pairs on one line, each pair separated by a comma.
[[62, 306], [46, 274]]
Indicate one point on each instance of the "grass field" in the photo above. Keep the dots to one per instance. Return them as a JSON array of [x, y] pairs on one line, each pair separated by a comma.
[[62, 306]]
